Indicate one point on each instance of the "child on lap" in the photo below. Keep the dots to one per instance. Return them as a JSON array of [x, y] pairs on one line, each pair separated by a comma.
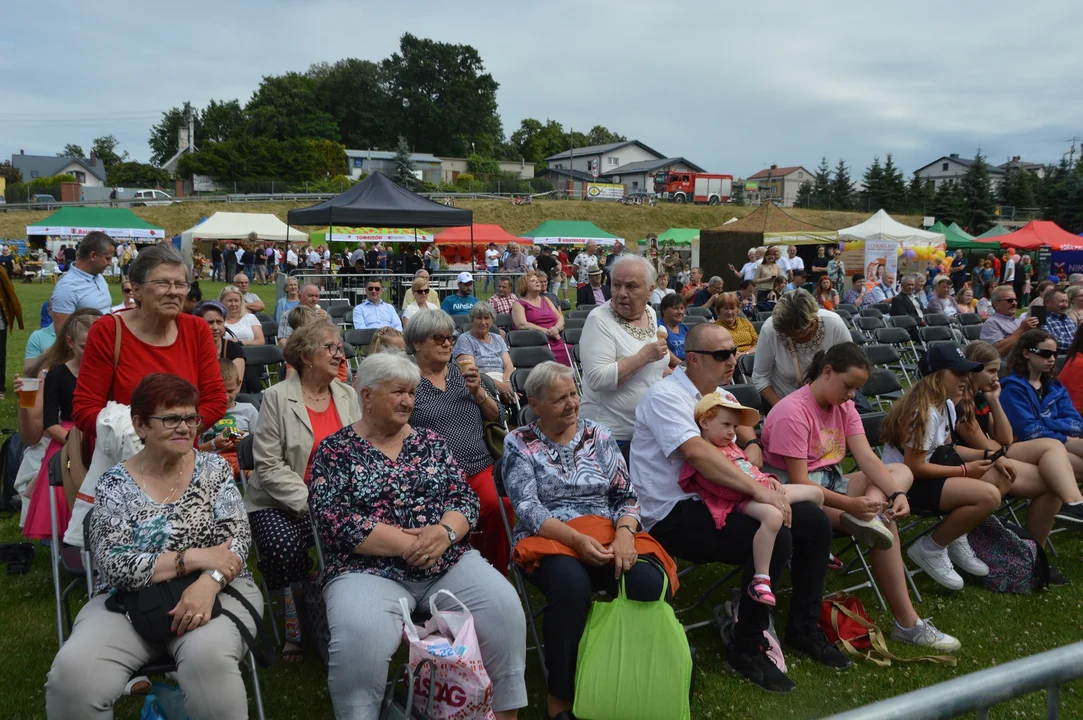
[[718, 416]]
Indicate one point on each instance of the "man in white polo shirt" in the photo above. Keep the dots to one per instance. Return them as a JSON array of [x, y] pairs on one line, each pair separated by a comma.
[[665, 437]]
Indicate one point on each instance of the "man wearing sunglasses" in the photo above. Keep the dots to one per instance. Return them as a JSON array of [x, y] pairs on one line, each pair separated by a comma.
[[1003, 330], [665, 437], [373, 312]]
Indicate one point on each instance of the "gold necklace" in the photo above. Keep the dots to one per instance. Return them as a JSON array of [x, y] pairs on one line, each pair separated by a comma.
[[180, 472]]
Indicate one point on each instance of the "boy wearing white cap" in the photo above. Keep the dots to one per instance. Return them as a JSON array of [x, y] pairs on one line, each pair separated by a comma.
[[718, 415]]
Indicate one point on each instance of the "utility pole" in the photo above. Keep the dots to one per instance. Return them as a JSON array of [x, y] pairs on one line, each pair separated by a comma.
[[1071, 153]]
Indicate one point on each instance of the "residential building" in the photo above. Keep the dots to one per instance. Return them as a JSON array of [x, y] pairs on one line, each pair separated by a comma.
[[451, 168], [572, 182], [949, 170], [607, 157], [780, 184], [427, 168], [1033, 168], [87, 171], [639, 176]]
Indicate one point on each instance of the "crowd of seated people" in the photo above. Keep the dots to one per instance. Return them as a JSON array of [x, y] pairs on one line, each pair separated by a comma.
[[635, 447]]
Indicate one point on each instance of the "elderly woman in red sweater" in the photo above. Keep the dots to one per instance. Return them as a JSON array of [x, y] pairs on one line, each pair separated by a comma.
[[155, 337]]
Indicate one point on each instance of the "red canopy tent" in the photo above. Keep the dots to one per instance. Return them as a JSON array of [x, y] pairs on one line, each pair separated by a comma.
[[1037, 233], [456, 241]]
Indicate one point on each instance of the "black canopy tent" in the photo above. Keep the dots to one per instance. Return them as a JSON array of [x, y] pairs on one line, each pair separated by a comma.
[[377, 201]]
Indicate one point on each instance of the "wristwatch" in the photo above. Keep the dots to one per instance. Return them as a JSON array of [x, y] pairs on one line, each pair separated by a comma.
[[217, 576], [452, 536]]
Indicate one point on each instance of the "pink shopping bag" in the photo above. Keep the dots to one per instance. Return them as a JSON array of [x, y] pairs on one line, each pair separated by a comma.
[[461, 688]]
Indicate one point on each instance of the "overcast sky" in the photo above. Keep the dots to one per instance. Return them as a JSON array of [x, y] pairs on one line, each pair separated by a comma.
[[733, 87]]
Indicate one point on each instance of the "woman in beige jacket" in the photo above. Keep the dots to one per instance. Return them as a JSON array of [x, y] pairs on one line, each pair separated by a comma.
[[296, 415]]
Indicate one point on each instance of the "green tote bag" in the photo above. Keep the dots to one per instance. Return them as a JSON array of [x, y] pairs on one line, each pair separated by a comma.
[[634, 662]]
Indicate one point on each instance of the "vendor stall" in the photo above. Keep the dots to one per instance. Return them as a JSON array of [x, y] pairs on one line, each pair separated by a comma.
[[117, 223], [570, 232]]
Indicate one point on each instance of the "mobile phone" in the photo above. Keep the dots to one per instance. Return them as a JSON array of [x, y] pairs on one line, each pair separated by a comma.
[[999, 454], [1038, 313]]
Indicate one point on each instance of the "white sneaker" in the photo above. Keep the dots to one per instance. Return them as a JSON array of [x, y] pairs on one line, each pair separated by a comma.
[[963, 557], [936, 563], [872, 533], [925, 634]]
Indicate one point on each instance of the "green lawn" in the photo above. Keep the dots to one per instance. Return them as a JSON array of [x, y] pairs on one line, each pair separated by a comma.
[[993, 629]]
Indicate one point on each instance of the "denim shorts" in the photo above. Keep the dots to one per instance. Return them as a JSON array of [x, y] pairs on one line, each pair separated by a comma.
[[829, 478]]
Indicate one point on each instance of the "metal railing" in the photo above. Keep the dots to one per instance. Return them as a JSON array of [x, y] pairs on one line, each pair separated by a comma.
[[396, 286], [977, 692]]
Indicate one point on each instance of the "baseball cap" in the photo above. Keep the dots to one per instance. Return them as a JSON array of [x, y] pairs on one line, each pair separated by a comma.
[[749, 416], [947, 357], [465, 277]]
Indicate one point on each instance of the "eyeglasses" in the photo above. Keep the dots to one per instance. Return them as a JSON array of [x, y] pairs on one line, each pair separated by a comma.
[[126, 291], [166, 285], [334, 349], [441, 339], [717, 355], [1042, 353], [421, 291], [172, 422]]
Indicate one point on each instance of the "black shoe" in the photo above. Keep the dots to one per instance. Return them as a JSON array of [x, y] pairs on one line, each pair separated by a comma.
[[1071, 513], [758, 669], [562, 715], [1055, 578], [817, 647]]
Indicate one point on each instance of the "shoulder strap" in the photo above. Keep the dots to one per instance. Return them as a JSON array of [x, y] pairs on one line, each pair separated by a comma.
[[116, 355], [876, 639], [263, 649]]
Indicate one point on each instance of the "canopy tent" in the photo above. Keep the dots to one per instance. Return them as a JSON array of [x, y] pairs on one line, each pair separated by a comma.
[[482, 235], [570, 232], [993, 232], [378, 202], [957, 241], [676, 237], [730, 242], [1037, 233], [115, 222], [238, 226], [369, 235], [882, 226]]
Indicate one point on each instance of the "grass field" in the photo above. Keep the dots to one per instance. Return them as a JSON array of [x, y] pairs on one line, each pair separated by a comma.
[[631, 222], [994, 629]]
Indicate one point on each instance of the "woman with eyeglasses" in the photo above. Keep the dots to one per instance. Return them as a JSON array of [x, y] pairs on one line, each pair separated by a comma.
[[1036, 403], [168, 512], [419, 289], [297, 413], [154, 337], [454, 403]]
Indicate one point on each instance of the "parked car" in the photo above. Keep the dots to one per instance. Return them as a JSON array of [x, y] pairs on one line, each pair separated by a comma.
[[43, 201], [151, 197]]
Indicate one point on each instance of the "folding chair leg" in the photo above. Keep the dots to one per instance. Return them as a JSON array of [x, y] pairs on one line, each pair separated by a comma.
[[255, 686], [869, 575], [54, 558]]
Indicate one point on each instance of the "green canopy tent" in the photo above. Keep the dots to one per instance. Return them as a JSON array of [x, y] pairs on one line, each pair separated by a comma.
[[676, 237], [959, 231], [570, 232], [958, 239], [115, 222], [993, 232]]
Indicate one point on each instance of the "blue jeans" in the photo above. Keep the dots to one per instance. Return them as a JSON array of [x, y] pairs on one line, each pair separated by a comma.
[[216, 271]]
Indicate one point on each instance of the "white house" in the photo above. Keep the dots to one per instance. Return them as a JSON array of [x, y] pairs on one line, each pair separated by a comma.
[[87, 171], [452, 167], [426, 167], [781, 183], [608, 157], [949, 170]]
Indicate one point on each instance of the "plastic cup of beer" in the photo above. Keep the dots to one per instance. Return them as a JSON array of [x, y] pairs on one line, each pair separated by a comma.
[[28, 393]]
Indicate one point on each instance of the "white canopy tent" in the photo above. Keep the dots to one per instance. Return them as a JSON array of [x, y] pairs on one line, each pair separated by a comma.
[[882, 226], [237, 226]]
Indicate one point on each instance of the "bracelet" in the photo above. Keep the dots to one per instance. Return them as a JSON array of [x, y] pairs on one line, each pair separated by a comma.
[[179, 563], [893, 496], [753, 441], [985, 456], [628, 528], [963, 466]]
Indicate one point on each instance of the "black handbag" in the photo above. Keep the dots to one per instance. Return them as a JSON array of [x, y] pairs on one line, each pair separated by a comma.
[[147, 609], [946, 454]]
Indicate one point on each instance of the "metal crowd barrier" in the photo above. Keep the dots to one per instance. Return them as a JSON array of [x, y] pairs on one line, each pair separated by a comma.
[[396, 286], [977, 692]]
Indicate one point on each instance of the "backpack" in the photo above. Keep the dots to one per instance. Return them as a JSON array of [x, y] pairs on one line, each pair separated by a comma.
[[11, 456], [1017, 564], [847, 625]]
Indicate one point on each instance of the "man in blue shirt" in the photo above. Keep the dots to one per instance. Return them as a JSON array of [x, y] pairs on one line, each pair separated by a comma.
[[885, 291], [373, 312], [799, 278], [83, 286], [459, 304]]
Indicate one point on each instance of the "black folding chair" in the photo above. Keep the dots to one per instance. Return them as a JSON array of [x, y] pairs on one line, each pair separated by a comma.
[[872, 311], [869, 324], [690, 320], [757, 325], [935, 333], [882, 385], [529, 357], [699, 311], [937, 320], [576, 323], [246, 463], [899, 339], [884, 308], [846, 315], [527, 338], [267, 357], [270, 332], [972, 333], [66, 559], [763, 316], [503, 321], [856, 336], [969, 318], [746, 362], [254, 399], [848, 307], [572, 336], [360, 338]]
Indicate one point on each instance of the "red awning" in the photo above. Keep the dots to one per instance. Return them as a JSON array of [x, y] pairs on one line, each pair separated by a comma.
[[1037, 233], [483, 235]]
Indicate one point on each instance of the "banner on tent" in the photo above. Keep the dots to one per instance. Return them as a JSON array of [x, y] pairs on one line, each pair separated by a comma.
[[881, 256], [1060, 263], [605, 191], [152, 233], [383, 235]]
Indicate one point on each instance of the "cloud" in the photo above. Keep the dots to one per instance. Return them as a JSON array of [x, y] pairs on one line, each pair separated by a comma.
[[731, 87]]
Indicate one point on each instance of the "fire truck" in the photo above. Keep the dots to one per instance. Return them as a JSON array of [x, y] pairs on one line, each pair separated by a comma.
[[685, 187]]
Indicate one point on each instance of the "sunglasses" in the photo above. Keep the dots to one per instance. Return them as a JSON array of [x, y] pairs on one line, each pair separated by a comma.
[[421, 291], [441, 339], [126, 291], [1044, 354], [1013, 301], [375, 288], [717, 355]]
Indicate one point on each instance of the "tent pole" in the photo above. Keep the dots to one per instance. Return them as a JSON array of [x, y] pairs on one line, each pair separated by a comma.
[[472, 246]]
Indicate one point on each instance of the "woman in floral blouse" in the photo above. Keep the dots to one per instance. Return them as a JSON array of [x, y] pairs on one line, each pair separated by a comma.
[[392, 509], [167, 512], [566, 479]]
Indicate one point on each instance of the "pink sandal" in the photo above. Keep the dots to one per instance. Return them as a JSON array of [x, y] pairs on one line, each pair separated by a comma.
[[760, 591]]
